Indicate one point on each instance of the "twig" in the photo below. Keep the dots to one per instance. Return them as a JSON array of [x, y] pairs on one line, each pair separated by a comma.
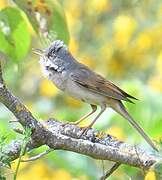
[[103, 167], [25, 141], [13, 121], [143, 170], [38, 156], [110, 171]]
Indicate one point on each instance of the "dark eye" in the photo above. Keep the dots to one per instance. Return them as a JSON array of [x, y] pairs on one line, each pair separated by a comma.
[[52, 69], [51, 54]]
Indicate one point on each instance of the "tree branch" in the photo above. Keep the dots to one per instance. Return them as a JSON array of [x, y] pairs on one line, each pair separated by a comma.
[[59, 136], [97, 145], [106, 147]]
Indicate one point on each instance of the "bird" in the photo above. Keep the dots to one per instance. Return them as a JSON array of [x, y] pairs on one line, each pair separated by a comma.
[[80, 82]]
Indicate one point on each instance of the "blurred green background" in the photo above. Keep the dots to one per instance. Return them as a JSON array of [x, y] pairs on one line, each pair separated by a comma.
[[120, 39]]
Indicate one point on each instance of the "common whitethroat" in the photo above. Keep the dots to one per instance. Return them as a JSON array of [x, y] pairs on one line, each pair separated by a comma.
[[80, 82]]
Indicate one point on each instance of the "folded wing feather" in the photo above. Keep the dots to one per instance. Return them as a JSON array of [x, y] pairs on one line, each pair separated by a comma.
[[96, 83]]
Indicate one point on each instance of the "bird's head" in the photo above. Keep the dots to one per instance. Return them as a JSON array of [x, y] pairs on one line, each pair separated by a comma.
[[54, 57]]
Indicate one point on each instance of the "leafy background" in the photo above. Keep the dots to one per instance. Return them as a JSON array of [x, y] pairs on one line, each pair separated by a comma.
[[119, 39]]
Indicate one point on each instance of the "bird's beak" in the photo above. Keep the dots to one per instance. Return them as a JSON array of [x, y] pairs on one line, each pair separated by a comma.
[[39, 52]]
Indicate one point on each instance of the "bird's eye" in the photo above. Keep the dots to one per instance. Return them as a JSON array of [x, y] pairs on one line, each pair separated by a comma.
[[51, 54], [53, 51]]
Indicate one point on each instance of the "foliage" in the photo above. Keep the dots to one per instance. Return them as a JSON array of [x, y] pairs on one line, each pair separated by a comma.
[[14, 37], [51, 11], [3, 158], [27, 135]]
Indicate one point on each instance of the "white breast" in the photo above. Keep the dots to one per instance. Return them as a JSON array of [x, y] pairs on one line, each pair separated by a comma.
[[59, 79]]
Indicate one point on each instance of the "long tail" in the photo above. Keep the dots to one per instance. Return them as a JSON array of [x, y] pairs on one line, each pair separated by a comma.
[[119, 108]]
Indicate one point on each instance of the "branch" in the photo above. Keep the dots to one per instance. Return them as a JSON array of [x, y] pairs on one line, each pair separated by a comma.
[[104, 147], [59, 136], [96, 144], [23, 115]]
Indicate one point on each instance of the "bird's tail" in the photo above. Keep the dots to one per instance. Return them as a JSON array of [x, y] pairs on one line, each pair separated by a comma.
[[119, 108]]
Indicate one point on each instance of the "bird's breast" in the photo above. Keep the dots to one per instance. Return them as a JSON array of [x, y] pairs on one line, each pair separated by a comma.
[[58, 78]]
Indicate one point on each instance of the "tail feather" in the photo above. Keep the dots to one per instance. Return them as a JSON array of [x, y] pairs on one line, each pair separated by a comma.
[[119, 108]]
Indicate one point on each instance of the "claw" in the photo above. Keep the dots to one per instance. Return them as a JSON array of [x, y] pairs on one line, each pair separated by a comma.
[[67, 123], [85, 130]]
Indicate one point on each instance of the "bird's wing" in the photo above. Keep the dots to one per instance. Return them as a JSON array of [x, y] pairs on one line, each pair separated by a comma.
[[86, 78]]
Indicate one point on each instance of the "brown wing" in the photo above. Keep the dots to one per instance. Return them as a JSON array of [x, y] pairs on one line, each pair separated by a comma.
[[96, 83]]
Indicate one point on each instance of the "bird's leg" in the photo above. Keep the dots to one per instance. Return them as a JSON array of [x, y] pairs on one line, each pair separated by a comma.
[[94, 108], [103, 107]]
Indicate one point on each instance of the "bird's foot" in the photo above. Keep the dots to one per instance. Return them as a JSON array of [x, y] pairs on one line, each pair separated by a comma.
[[71, 123], [75, 123], [84, 131], [66, 123]]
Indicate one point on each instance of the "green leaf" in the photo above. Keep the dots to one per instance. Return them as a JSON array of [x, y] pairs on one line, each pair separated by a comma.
[[2, 178], [14, 35], [53, 14], [58, 23]]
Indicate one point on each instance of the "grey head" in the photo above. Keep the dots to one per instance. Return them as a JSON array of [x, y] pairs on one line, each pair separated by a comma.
[[56, 57], [56, 49]]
